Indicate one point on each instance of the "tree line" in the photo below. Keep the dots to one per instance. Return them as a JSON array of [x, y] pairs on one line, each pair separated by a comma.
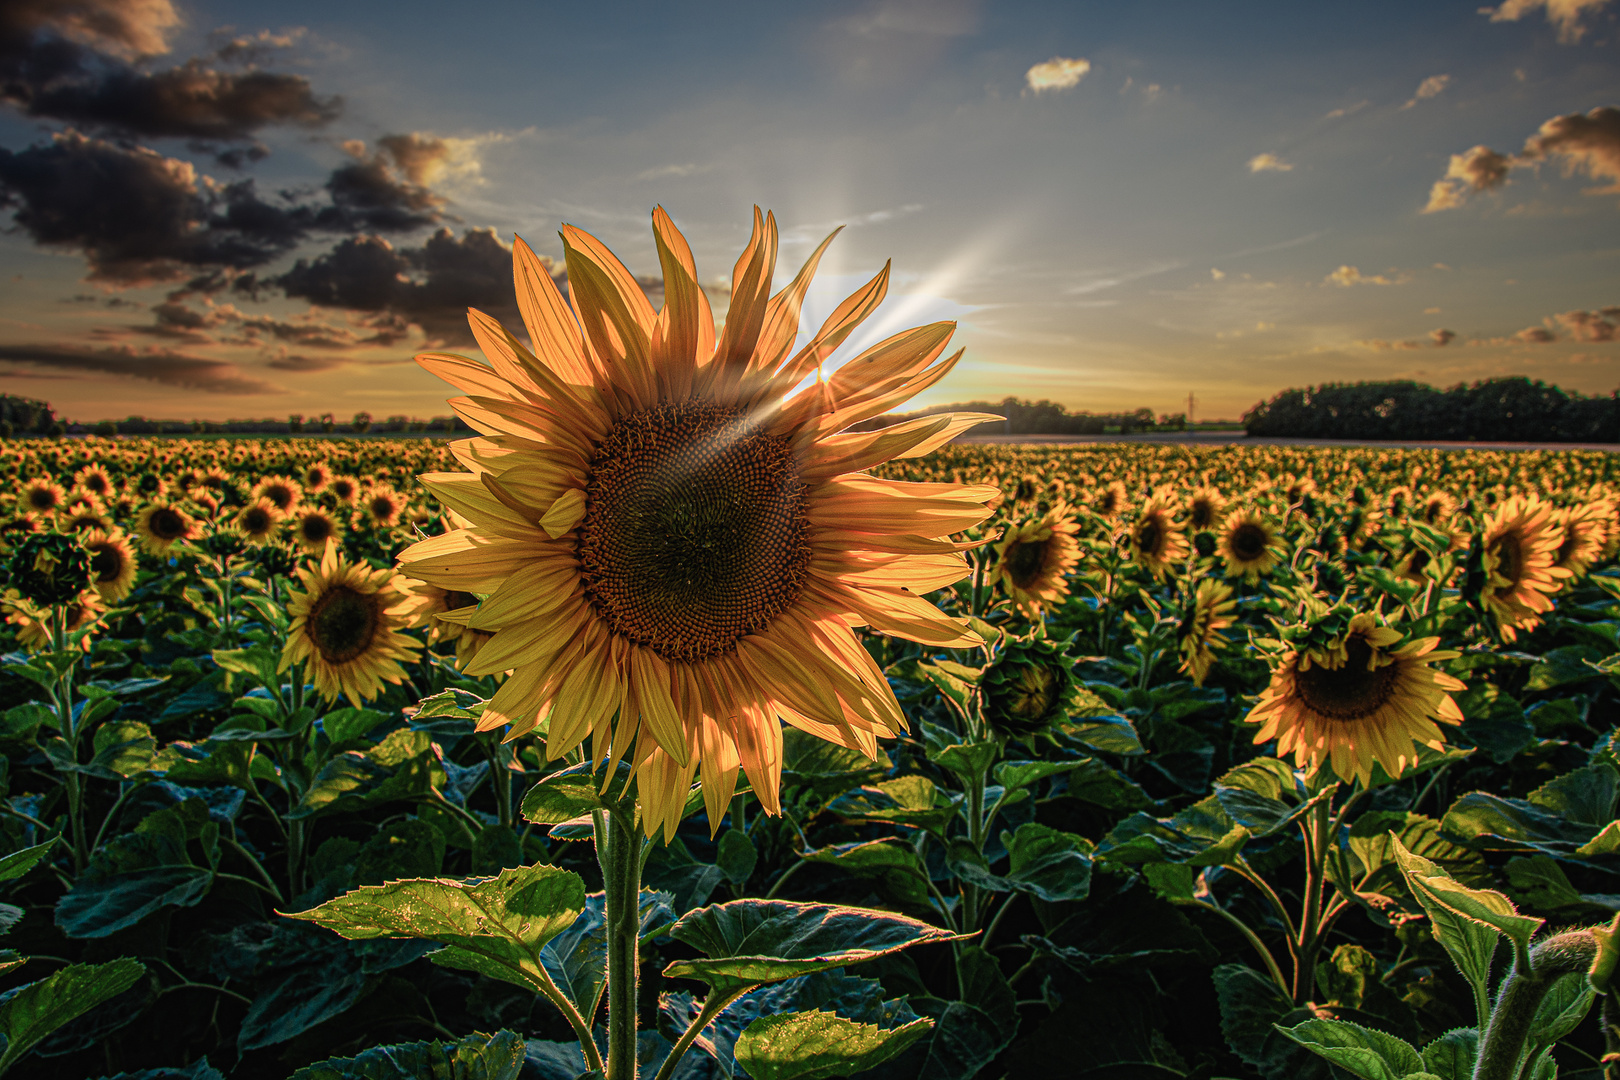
[[1041, 418], [1514, 409]]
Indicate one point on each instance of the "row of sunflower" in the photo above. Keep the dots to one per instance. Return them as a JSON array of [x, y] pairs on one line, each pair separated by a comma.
[[1171, 761]]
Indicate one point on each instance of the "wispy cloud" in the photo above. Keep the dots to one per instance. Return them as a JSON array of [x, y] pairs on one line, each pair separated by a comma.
[[667, 172], [1058, 73], [1269, 162], [1568, 16], [1433, 86], [1113, 280], [1346, 276], [156, 365]]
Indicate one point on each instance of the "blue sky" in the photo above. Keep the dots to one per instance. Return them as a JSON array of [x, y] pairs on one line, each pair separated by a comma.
[[1119, 204]]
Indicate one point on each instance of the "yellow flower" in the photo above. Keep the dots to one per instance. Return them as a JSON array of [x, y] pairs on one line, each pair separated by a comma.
[[33, 626], [258, 520], [1204, 507], [1586, 535], [383, 505], [1201, 635], [1156, 540], [1521, 545], [112, 563], [314, 528], [1250, 545], [1034, 559], [162, 525], [347, 625], [280, 490], [1367, 697], [668, 535], [42, 495]]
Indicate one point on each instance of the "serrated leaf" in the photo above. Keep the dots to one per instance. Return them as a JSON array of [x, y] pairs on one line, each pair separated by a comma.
[[1370, 1054], [473, 1057], [34, 1011], [1451, 1056], [493, 926], [1470, 943], [747, 942], [890, 861], [737, 856], [815, 1045], [402, 766], [1562, 1008], [18, 863], [570, 793]]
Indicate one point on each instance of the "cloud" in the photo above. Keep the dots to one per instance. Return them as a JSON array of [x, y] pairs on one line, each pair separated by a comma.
[[1269, 162], [370, 195], [72, 61], [1442, 337], [1433, 86], [1535, 335], [1346, 276], [1567, 15], [1588, 143], [140, 217], [1058, 73], [431, 286], [664, 172], [1380, 345], [1216, 275], [1597, 325], [1348, 110], [154, 364]]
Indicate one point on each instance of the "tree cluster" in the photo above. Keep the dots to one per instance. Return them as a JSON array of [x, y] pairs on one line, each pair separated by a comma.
[[1508, 409], [1038, 418]]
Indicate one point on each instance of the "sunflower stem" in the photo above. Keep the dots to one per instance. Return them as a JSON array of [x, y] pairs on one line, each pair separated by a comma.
[[621, 883], [1502, 1043]]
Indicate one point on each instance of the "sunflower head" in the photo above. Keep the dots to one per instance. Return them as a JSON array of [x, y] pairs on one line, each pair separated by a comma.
[[1028, 688], [43, 496], [112, 563], [162, 525], [1204, 508], [1250, 545], [1351, 692], [347, 627], [314, 528], [1209, 611], [257, 521], [383, 506], [280, 490], [1513, 569], [49, 568], [1034, 558], [1156, 539], [345, 489], [1586, 535]]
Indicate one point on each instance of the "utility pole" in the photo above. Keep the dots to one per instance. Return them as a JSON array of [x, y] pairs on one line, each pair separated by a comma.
[[1189, 410]]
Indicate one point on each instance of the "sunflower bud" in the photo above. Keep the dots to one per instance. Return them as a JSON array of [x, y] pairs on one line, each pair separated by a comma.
[[50, 568], [1030, 687]]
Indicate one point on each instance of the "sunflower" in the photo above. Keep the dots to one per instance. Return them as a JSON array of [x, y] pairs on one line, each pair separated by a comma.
[[316, 477], [33, 625], [1033, 560], [42, 495], [1586, 535], [112, 562], [93, 479], [345, 489], [313, 528], [1110, 501], [1156, 540], [1250, 545], [258, 520], [707, 538], [1204, 507], [1519, 549], [162, 525], [432, 602], [347, 625], [282, 491], [1357, 698], [1201, 626], [383, 505]]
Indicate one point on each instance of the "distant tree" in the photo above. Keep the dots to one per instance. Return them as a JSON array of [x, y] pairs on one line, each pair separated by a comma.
[[56, 430], [7, 429], [1174, 421], [327, 423], [295, 423], [106, 428], [362, 422]]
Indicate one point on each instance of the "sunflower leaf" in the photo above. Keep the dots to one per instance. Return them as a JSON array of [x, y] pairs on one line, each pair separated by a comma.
[[18, 863], [493, 926], [402, 766], [33, 1011], [1470, 942], [748, 942], [814, 1045], [570, 793], [472, 1057], [1365, 1052]]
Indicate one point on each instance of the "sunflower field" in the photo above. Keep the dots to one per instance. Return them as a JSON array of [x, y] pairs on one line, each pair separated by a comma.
[[1285, 762]]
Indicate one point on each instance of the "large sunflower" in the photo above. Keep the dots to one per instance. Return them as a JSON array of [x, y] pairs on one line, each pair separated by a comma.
[[1034, 559], [162, 525], [1204, 507], [347, 624], [674, 545], [1250, 545], [1349, 700], [1586, 535], [1157, 542], [1520, 549]]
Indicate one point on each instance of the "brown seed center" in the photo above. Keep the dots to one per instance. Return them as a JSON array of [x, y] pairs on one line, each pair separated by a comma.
[[1249, 541], [1025, 561], [1349, 692], [343, 622], [167, 524], [694, 530]]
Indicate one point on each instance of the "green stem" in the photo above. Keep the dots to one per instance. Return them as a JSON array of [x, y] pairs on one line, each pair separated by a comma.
[[621, 864], [713, 1006], [1502, 1044], [1310, 920], [782, 880], [1248, 934]]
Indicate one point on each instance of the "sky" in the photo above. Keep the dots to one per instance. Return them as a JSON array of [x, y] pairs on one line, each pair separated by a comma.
[[206, 214]]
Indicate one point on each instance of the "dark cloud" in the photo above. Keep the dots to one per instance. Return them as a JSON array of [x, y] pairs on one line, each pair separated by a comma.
[[227, 324], [1535, 335], [71, 60], [157, 365], [1597, 325], [140, 217], [295, 362], [1442, 337], [431, 286]]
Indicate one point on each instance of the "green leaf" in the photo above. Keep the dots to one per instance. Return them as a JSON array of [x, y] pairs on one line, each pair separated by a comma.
[[493, 926], [257, 662], [969, 761], [1542, 883], [211, 762], [450, 704], [955, 681], [122, 748], [18, 863], [1564, 666], [825, 767], [1105, 734], [1252, 1008], [573, 792], [342, 725], [576, 959], [1363, 1051], [21, 721], [1487, 906], [473, 1057], [1562, 1008], [905, 800], [737, 856], [890, 861], [815, 1045], [1451, 1056], [1585, 796], [746, 942], [34, 1011], [1048, 863], [402, 766], [1012, 775], [1470, 943], [1102, 784], [138, 873]]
